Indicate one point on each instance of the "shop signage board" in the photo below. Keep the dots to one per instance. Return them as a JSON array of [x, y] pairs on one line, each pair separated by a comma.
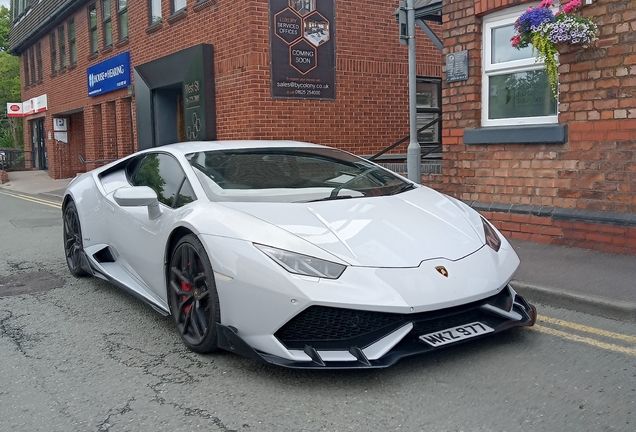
[[14, 109], [28, 107], [303, 49], [194, 100], [109, 75]]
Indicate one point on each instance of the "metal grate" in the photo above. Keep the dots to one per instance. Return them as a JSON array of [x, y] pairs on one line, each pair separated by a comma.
[[320, 323]]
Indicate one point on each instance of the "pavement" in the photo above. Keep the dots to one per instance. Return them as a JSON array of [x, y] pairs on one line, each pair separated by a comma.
[[593, 282]]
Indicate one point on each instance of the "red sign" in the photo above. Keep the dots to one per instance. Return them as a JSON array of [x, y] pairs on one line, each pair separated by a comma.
[[14, 109]]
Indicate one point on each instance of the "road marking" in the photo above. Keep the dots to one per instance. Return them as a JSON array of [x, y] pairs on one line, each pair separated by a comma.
[[32, 199], [588, 329], [589, 341]]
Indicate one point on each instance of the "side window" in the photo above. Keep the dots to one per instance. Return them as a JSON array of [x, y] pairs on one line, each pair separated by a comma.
[[92, 28], [155, 11], [515, 87], [163, 174], [107, 22]]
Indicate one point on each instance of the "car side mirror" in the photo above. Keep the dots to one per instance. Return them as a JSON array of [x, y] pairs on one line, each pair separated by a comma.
[[139, 196]]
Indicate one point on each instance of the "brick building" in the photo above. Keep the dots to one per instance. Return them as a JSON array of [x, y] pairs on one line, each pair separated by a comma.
[[564, 173], [203, 69], [552, 172]]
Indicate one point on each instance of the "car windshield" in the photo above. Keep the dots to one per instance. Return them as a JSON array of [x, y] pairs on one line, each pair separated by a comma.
[[298, 174]]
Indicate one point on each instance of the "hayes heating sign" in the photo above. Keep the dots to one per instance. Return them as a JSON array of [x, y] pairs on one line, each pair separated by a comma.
[[109, 75]]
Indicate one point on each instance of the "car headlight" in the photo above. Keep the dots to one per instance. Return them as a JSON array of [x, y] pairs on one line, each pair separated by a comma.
[[303, 264], [492, 238]]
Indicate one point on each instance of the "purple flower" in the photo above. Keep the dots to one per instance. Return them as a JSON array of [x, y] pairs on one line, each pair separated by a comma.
[[533, 19]]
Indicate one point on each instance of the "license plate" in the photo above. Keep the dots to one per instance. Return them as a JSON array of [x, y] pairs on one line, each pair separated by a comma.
[[456, 334]]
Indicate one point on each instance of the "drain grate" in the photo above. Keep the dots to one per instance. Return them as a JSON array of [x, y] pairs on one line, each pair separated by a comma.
[[29, 283]]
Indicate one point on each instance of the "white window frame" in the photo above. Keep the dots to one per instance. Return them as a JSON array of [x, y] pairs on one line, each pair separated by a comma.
[[490, 22]]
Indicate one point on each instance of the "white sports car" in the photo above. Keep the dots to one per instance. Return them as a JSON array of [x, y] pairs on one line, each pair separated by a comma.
[[297, 254]]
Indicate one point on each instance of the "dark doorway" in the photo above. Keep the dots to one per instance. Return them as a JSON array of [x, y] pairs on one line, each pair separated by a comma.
[[167, 106], [38, 144], [175, 98]]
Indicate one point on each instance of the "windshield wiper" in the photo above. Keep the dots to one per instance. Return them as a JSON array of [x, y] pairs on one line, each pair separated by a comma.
[[403, 188], [331, 198]]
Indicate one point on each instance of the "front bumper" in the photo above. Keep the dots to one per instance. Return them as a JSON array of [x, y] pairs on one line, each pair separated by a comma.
[[337, 338]]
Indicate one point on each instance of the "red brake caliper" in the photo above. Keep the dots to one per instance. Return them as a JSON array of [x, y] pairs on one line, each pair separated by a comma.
[[186, 287]]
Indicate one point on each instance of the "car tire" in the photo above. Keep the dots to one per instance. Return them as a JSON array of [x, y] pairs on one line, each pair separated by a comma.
[[192, 295], [73, 246]]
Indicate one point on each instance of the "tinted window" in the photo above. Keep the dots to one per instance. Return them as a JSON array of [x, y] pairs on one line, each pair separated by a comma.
[[291, 174], [163, 174]]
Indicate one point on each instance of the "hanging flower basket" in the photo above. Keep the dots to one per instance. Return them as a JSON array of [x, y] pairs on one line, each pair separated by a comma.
[[547, 32]]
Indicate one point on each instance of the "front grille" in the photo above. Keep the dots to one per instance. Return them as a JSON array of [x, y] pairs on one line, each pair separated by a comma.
[[331, 328], [321, 324]]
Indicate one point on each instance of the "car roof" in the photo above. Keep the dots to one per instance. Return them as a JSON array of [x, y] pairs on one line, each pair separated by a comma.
[[199, 146]]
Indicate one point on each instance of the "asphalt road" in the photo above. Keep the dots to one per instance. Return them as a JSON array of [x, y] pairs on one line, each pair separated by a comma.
[[81, 355]]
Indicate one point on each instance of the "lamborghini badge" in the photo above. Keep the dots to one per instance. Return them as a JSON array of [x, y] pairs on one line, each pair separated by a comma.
[[442, 270]]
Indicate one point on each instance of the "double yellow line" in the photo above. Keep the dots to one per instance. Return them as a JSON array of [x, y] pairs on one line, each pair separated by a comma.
[[32, 199], [587, 340]]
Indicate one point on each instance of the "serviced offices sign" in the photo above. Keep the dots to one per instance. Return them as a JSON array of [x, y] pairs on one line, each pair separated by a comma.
[[109, 75]]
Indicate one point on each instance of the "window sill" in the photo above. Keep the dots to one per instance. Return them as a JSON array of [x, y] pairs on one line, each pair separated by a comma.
[[535, 134], [201, 4], [93, 56], [155, 27], [177, 16], [122, 42], [107, 49]]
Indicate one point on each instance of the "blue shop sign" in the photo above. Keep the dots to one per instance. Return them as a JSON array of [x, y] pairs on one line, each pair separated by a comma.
[[109, 75]]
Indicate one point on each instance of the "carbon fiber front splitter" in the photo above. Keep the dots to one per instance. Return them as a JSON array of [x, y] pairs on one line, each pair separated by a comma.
[[521, 314]]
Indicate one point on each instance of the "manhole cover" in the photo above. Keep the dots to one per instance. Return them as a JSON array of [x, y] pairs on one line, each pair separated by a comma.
[[37, 223], [27, 283]]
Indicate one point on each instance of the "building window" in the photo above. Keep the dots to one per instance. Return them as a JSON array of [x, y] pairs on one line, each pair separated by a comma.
[[53, 53], [122, 19], [92, 26], [178, 5], [38, 56], [107, 24], [155, 11], [32, 62], [19, 8], [515, 88], [72, 45], [27, 76], [428, 92], [62, 41]]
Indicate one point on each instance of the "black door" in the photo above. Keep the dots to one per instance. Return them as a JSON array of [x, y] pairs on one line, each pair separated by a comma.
[[38, 142]]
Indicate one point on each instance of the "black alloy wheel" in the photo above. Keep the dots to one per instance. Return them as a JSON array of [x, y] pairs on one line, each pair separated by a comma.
[[192, 295], [73, 247]]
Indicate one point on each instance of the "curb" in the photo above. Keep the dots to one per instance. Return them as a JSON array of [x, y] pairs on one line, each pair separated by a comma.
[[613, 309]]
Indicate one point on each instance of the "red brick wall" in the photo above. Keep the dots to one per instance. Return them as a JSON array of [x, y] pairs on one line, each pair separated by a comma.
[[601, 237], [369, 113], [595, 170]]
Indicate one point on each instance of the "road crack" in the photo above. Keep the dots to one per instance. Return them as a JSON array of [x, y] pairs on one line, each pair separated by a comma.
[[114, 412], [20, 338]]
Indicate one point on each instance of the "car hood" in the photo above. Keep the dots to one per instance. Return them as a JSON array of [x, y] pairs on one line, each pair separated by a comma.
[[393, 231]]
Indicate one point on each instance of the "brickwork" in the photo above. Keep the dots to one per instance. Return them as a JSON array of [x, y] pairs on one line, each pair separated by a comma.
[[369, 113], [4, 177], [595, 170], [601, 237]]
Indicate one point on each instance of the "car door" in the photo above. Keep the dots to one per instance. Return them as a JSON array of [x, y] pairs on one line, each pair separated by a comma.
[[140, 240]]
